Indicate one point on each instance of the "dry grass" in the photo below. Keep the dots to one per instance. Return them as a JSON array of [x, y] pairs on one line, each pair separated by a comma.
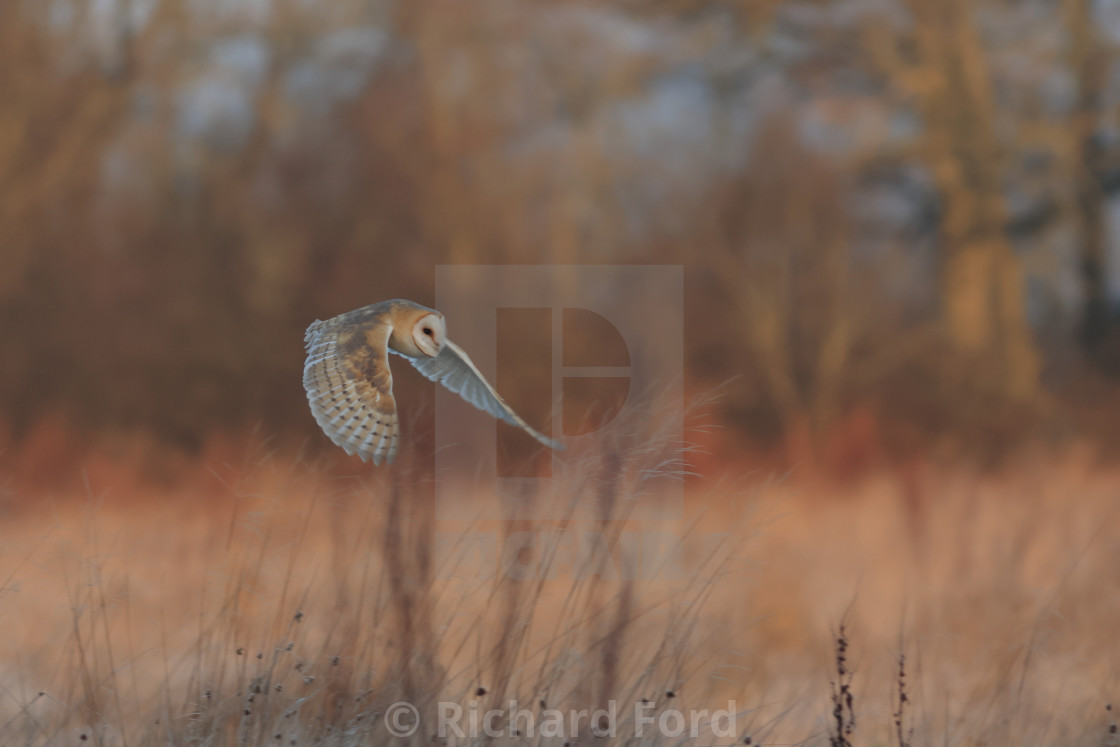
[[277, 602]]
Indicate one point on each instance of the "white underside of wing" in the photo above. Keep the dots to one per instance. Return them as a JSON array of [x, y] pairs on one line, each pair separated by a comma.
[[346, 408], [455, 370]]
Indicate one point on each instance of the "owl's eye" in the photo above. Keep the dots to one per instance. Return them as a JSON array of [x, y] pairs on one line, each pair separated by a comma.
[[428, 331]]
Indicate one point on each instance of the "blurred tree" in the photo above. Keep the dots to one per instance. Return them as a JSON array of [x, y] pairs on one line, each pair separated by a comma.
[[1091, 61], [785, 232], [942, 67], [183, 186]]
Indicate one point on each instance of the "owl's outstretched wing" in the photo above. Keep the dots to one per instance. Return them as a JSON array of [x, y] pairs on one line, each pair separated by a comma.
[[455, 370], [350, 387]]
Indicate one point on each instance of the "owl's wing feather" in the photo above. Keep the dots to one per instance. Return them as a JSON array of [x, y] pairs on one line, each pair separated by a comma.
[[350, 387], [455, 370]]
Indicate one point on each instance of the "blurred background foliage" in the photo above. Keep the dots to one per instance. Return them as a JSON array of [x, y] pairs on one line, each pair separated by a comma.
[[898, 219]]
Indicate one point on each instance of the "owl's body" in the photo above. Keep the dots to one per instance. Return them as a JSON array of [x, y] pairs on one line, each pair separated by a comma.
[[350, 386]]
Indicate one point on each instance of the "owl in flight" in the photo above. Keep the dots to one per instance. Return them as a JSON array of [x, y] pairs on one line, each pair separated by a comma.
[[350, 386]]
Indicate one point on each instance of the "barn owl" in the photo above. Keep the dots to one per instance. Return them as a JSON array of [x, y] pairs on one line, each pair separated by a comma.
[[350, 386]]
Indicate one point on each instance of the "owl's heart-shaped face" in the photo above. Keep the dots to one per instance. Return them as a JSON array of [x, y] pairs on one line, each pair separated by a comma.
[[429, 333], [418, 332]]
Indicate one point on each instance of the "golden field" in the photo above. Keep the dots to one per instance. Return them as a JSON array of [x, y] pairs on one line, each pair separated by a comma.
[[269, 598]]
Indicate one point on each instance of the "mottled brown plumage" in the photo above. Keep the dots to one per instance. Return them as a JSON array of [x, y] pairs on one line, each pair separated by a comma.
[[350, 387]]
